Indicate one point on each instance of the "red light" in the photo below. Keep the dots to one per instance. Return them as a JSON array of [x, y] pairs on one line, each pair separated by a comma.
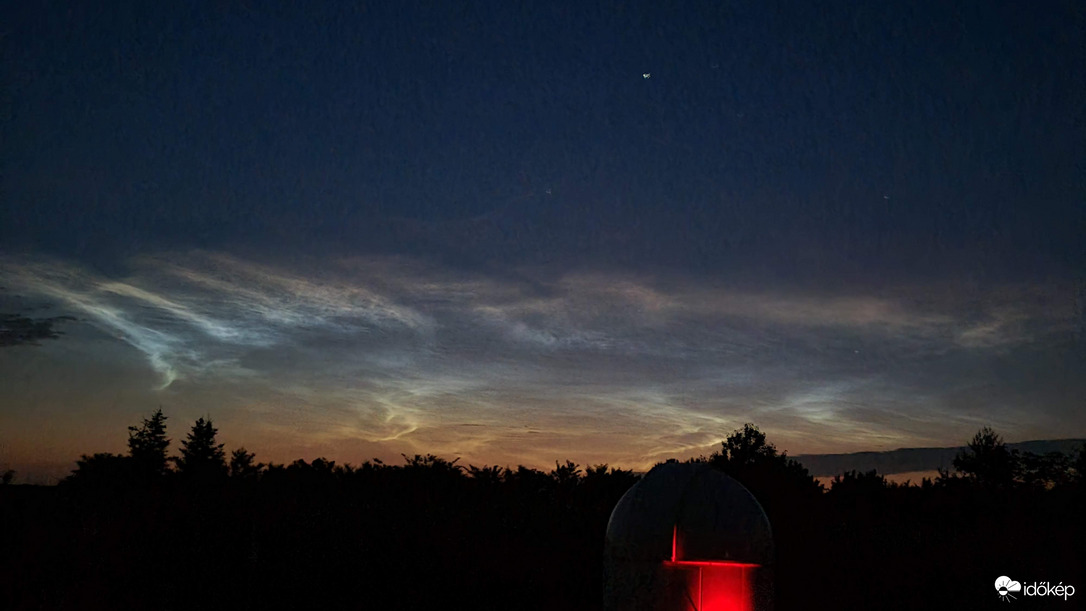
[[712, 585], [674, 543], [741, 565]]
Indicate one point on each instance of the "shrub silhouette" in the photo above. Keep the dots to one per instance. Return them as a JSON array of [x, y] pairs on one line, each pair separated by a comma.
[[857, 483], [103, 471]]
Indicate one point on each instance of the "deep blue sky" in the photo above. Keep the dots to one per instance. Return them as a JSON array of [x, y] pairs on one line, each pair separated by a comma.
[[804, 180]]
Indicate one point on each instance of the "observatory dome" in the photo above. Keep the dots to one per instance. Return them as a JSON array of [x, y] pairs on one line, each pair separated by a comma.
[[684, 511], [687, 537]]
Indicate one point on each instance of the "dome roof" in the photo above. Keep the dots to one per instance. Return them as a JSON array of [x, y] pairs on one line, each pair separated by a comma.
[[689, 512]]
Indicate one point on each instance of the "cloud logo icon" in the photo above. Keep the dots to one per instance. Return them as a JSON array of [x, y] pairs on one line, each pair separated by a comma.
[[1005, 585]]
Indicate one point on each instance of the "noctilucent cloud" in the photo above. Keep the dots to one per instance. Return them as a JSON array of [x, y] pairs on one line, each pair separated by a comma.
[[526, 232]]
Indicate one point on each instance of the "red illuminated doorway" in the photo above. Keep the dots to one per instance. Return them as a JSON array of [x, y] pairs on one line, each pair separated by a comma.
[[710, 585]]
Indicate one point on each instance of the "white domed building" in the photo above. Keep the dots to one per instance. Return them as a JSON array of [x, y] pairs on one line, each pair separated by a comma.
[[688, 538]]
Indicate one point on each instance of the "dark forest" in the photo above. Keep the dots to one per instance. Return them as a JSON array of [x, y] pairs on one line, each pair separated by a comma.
[[209, 529]]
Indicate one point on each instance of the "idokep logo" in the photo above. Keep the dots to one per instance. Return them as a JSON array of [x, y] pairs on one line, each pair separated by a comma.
[[1006, 587]]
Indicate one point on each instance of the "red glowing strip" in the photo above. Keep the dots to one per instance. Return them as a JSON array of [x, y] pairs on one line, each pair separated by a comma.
[[674, 537], [709, 563]]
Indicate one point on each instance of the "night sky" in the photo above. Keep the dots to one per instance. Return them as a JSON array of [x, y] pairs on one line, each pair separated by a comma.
[[527, 232]]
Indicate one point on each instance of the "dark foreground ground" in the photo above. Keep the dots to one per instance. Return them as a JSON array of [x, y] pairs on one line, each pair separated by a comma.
[[429, 535]]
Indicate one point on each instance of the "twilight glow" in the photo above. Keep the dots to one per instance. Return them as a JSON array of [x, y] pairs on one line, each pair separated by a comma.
[[362, 357], [484, 232]]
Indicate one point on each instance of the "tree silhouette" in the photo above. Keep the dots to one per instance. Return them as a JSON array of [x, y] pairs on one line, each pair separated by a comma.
[[264, 536], [567, 475], [1045, 470], [1078, 466], [147, 445], [856, 482], [487, 475], [748, 457], [102, 471], [987, 460], [201, 457], [243, 465], [746, 447]]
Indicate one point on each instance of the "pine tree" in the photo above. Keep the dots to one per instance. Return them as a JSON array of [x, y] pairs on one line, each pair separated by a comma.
[[200, 456], [147, 445]]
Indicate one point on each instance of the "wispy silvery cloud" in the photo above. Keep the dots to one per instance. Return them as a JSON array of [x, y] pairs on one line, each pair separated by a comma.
[[406, 355]]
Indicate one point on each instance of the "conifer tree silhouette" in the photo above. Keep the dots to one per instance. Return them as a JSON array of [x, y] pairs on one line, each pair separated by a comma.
[[147, 445], [201, 457]]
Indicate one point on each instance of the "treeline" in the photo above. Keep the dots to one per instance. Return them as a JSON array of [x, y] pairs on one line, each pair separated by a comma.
[[207, 529]]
